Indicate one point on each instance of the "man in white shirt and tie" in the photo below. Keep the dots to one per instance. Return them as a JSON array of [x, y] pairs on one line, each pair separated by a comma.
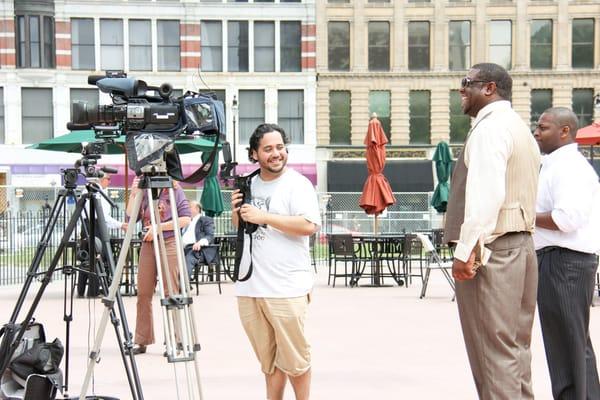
[[566, 239]]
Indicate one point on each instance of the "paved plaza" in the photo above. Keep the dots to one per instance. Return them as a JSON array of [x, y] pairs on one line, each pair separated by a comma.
[[368, 343]]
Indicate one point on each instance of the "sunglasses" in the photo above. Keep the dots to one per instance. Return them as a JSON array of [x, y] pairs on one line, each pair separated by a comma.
[[466, 82]]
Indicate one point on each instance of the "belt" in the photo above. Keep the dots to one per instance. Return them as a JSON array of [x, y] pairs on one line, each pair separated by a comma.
[[549, 249], [452, 244]]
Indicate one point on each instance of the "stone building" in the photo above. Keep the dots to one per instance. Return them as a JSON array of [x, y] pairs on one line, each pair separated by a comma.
[[404, 59]]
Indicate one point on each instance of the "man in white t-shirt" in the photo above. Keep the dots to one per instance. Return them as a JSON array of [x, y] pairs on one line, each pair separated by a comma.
[[273, 302]]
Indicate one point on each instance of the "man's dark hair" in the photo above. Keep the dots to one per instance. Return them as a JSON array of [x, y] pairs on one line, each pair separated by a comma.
[[491, 72], [258, 134]]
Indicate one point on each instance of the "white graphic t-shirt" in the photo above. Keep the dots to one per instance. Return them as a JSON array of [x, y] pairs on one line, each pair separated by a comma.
[[281, 262]]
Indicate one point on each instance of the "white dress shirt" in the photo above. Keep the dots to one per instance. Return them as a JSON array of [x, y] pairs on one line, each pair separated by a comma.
[[569, 189], [111, 222], [189, 232], [487, 151]]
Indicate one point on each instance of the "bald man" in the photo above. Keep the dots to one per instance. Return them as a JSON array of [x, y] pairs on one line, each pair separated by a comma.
[[566, 239], [196, 238]]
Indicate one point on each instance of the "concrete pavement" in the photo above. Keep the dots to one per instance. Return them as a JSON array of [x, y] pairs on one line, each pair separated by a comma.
[[368, 343]]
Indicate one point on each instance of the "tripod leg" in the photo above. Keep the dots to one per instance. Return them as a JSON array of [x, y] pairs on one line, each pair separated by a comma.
[[105, 269], [176, 300], [190, 332], [39, 253], [45, 280], [109, 300], [163, 271]]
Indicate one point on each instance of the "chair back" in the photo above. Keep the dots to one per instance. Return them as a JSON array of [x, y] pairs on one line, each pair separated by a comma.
[[342, 245], [427, 245]]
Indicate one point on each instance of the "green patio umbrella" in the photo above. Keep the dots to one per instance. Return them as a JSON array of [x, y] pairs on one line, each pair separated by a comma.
[[71, 143], [212, 198], [443, 166]]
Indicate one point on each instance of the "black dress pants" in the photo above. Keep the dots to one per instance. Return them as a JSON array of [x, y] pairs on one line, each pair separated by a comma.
[[565, 291]]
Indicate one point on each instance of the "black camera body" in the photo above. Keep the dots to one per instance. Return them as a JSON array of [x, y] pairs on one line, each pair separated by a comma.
[[243, 183], [138, 107], [70, 177], [152, 119]]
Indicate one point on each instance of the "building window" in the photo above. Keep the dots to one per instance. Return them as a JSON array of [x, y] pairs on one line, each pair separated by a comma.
[[501, 43], [459, 51], [140, 45], [583, 43], [2, 136], [35, 41], [82, 43], [264, 46], [379, 46], [418, 45], [541, 100], [211, 36], [420, 116], [237, 47], [89, 96], [251, 112], [37, 121], [379, 102], [290, 114], [583, 106], [111, 44], [541, 44], [338, 46], [168, 45], [460, 123], [290, 36], [339, 117]]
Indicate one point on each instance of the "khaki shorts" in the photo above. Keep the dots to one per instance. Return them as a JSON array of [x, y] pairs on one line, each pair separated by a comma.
[[275, 328]]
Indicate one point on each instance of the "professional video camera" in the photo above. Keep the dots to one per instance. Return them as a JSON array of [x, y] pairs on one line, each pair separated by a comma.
[[152, 119]]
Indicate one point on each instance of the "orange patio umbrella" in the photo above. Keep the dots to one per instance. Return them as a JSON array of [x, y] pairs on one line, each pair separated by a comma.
[[590, 136], [377, 194]]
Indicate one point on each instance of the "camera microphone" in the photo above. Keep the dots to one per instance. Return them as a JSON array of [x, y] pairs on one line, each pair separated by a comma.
[[92, 79], [78, 127], [109, 170]]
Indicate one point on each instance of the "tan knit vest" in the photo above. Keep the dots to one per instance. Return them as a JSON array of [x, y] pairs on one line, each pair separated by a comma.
[[517, 213]]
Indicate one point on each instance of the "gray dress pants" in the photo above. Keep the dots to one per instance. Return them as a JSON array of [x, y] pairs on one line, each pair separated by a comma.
[[496, 311]]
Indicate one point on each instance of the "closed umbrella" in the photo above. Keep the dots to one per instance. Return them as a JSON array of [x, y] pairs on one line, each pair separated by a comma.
[[377, 194], [212, 198], [443, 165]]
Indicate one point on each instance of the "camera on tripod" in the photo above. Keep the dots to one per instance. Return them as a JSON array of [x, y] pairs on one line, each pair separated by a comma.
[[150, 117]]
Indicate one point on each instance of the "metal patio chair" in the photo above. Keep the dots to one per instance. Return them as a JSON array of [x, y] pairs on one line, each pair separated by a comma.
[[434, 261]]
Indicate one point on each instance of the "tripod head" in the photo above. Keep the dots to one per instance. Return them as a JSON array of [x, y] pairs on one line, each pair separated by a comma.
[[86, 166]]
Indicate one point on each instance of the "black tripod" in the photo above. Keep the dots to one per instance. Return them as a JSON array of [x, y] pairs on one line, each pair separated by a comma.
[[101, 264]]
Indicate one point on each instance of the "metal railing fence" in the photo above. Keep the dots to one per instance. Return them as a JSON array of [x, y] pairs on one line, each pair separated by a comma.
[[22, 223]]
